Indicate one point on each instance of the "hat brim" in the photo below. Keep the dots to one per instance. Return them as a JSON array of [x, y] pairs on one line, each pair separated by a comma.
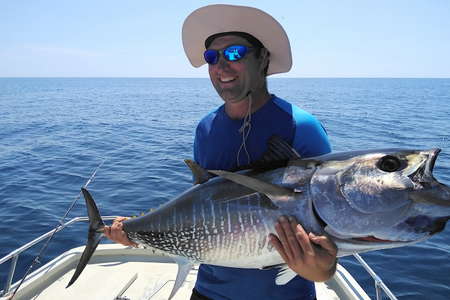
[[219, 18]]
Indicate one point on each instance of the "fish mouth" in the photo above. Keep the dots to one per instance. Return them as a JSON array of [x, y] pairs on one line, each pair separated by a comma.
[[440, 225], [373, 239], [424, 174], [428, 189]]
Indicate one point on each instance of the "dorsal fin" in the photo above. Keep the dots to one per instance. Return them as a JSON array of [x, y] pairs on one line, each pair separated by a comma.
[[277, 155], [199, 174], [278, 149]]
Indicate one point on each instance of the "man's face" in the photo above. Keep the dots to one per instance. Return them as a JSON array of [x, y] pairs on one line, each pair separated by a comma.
[[233, 79]]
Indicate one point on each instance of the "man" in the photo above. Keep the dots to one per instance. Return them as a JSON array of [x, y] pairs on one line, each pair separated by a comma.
[[243, 45]]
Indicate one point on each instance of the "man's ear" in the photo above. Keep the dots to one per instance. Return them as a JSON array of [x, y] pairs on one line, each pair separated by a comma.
[[264, 56]]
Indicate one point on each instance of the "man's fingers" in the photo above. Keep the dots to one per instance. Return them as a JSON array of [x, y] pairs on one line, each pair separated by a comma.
[[277, 245], [324, 242], [117, 225], [293, 240], [303, 240], [289, 229], [115, 233], [280, 227], [107, 231], [120, 219]]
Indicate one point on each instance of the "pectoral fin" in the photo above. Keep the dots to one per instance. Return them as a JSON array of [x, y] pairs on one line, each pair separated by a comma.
[[275, 192]]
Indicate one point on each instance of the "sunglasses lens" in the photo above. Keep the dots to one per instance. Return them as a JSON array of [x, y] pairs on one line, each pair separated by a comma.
[[235, 53], [232, 53], [211, 56]]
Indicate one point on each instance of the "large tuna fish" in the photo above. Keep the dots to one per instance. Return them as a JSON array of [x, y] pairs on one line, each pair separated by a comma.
[[365, 200]]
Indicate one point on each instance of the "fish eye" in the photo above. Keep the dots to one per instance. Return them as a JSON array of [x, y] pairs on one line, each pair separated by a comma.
[[389, 163]]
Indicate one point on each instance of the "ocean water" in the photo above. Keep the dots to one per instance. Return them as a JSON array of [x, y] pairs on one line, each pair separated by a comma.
[[55, 131]]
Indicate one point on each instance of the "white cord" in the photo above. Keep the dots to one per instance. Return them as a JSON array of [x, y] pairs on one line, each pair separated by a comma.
[[245, 130]]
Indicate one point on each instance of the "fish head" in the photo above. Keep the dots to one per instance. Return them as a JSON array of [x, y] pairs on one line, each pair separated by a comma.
[[379, 199]]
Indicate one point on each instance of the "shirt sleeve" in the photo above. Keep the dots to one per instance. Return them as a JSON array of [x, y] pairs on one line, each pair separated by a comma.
[[310, 138], [197, 144]]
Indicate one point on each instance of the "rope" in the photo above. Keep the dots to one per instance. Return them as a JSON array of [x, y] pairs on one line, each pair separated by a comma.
[[245, 130]]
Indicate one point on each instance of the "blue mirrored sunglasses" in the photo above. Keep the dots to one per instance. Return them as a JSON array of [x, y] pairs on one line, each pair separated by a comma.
[[231, 53]]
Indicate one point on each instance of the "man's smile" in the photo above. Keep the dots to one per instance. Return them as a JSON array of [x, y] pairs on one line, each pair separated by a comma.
[[226, 79]]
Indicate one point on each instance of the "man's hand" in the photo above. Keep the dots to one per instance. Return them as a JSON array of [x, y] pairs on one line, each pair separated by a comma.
[[312, 257], [116, 233]]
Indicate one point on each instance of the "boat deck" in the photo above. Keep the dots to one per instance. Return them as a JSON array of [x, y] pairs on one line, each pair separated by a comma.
[[118, 272]]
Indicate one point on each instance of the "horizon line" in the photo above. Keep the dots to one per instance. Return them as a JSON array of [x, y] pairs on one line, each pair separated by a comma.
[[165, 77]]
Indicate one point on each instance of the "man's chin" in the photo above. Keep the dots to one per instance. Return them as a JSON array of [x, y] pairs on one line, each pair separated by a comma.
[[232, 97]]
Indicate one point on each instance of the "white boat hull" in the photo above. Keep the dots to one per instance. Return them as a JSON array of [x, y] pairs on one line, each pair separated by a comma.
[[118, 272]]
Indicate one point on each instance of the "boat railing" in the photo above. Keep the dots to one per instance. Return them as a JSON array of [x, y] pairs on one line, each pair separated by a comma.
[[14, 257], [379, 284]]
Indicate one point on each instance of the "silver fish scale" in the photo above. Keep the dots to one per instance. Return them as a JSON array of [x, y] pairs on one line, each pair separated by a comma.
[[178, 243], [218, 231]]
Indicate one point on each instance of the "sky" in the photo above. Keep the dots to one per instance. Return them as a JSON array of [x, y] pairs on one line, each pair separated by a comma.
[[340, 38]]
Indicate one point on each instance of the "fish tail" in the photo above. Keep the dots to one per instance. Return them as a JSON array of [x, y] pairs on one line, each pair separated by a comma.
[[95, 234]]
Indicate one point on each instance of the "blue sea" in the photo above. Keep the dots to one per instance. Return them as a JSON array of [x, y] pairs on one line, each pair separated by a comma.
[[55, 131]]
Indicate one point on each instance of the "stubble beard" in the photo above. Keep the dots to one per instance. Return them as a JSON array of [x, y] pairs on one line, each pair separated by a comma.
[[234, 94]]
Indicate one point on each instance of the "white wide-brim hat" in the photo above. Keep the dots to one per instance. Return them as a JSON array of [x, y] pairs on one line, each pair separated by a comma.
[[219, 18]]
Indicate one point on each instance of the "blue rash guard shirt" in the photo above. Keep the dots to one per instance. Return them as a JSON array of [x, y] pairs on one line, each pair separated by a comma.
[[216, 146]]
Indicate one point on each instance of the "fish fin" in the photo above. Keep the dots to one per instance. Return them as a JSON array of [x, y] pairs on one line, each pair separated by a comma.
[[279, 149], [184, 266], [94, 235], [199, 174], [277, 155], [275, 192], [253, 199], [284, 275]]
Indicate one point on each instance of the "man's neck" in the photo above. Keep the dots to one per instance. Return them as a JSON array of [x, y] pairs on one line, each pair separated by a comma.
[[238, 110]]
